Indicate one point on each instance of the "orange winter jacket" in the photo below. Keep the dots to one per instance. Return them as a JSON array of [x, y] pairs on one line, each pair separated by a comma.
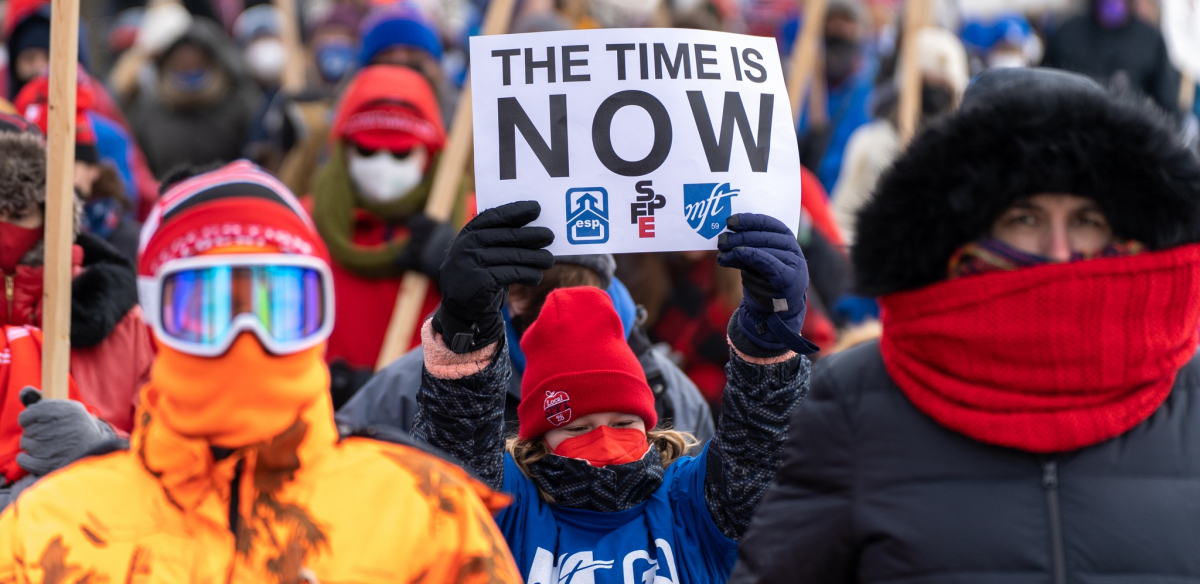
[[309, 508]]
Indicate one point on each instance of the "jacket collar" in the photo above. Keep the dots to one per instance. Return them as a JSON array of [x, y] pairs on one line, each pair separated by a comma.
[[194, 480]]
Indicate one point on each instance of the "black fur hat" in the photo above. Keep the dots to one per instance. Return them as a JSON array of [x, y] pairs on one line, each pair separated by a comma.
[[1022, 132]]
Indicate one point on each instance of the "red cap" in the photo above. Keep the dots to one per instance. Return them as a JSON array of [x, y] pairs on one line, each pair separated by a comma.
[[579, 363], [388, 107], [236, 205], [32, 103]]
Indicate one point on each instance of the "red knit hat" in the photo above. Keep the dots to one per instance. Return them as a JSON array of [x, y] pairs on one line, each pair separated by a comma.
[[579, 363], [237, 205], [32, 103]]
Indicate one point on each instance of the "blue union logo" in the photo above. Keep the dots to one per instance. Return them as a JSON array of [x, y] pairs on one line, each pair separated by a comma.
[[587, 216], [707, 206]]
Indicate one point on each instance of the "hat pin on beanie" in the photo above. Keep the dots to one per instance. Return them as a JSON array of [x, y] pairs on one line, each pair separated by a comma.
[[557, 407]]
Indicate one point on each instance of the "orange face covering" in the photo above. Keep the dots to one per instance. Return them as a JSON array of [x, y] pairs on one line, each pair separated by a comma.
[[243, 397], [605, 445]]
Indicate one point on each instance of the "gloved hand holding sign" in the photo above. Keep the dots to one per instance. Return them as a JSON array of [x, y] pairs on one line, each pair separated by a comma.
[[56, 432], [774, 285], [494, 250]]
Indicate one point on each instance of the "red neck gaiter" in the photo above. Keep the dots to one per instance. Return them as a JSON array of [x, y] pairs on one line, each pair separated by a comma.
[[1048, 358]]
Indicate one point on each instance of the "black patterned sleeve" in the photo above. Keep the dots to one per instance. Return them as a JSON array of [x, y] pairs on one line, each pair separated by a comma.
[[465, 417], [747, 449]]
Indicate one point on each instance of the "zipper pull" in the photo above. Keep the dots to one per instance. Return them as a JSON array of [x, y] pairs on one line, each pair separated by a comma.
[[9, 292], [1050, 474]]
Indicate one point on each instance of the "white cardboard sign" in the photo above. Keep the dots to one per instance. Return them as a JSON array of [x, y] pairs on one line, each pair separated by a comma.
[[634, 140]]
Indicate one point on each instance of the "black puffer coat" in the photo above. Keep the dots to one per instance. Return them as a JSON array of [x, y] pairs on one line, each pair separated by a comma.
[[873, 490]]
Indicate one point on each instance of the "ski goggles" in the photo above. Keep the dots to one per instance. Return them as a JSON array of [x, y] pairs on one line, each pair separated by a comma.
[[200, 305]]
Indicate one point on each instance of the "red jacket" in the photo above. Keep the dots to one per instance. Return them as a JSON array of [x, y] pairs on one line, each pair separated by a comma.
[[363, 306], [20, 367]]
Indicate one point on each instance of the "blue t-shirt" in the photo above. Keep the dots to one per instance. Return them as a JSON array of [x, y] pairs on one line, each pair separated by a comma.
[[668, 539]]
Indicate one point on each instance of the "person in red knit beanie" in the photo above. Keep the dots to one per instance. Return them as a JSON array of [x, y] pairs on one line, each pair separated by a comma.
[[581, 374], [599, 489], [1029, 413]]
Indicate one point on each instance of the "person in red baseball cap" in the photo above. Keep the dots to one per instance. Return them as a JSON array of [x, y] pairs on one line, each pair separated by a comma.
[[235, 471], [368, 203], [599, 489]]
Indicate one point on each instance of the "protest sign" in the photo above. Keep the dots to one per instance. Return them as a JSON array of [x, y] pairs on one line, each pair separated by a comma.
[[634, 140]]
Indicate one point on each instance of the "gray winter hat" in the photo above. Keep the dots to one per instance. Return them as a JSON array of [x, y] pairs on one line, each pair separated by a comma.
[[22, 172], [603, 264]]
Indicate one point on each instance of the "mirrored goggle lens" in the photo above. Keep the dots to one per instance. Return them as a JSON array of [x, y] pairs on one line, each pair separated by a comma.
[[200, 305]]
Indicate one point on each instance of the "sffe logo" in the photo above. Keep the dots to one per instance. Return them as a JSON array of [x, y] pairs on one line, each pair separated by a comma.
[[707, 206], [557, 407], [641, 213], [587, 216]]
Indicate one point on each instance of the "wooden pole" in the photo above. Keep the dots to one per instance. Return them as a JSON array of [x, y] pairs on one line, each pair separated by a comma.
[[916, 17], [804, 53], [292, 80], [1187, 92], [442, 196], [60, 199]]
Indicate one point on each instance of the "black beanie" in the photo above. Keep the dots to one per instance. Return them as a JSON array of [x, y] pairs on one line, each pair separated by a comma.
[[34, 33]]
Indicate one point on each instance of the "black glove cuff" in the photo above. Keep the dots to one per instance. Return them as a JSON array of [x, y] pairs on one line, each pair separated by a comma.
[[743, 343], [462, 337]]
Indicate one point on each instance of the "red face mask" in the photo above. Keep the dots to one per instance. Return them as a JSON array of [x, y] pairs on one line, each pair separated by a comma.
[[15, 241], [605, 445]]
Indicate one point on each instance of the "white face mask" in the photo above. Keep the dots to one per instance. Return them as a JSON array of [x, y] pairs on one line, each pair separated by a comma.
[[265, 58], [384, 178]]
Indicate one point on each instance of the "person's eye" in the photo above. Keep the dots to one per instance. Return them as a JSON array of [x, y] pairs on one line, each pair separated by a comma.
[[577, 429], [623, 424]]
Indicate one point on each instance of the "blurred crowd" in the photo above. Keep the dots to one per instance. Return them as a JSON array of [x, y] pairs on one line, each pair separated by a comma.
[[166, 85], [1027, 263]]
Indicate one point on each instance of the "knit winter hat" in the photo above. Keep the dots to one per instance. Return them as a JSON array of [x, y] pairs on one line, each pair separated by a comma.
[[22, 165], [603, 264], [236, 205], [579, 363], [255, 22], [33, 103], [399, 25], [1021, 132], [391, 108]]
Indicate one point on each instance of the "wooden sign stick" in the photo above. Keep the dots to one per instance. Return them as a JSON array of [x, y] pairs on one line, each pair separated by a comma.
[[60, 199], [442, 196], [804, 53], [292, 80], [916, 18]]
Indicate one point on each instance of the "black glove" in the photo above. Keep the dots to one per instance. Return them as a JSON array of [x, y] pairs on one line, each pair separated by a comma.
[[427, 244], [493, 251]]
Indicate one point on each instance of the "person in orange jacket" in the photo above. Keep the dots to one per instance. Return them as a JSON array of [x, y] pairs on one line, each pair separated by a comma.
[[235, 470]]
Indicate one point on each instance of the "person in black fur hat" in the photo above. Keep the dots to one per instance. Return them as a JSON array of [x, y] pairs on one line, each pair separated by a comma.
[[111, 352], [1027, 414]]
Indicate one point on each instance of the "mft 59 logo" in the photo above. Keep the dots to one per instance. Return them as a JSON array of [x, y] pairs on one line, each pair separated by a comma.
[[707, 206]]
